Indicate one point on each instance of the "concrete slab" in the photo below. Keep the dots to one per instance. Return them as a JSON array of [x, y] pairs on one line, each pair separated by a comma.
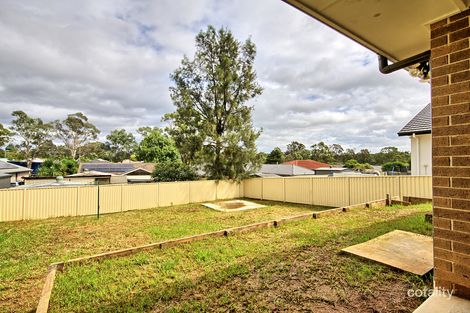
[[400, 249], [233, 205], [442, 303]]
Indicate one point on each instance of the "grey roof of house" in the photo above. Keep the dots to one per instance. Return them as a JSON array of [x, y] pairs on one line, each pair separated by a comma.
[[8, 168], [419, 124], [285, 170]]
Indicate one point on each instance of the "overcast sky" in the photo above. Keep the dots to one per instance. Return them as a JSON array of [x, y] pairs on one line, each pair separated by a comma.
[[111, 60]]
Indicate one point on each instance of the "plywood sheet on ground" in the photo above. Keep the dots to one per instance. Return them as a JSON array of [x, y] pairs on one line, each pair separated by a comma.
[[400, 249]]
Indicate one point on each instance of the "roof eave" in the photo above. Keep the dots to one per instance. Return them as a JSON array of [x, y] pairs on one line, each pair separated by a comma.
[[339, 28], [423, 132]]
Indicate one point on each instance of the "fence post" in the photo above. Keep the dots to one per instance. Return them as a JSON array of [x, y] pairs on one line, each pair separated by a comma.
[[399, 188], [157, 196], [121, 196], [262, 188], [98, 207], [24, 204], [349, 190], [284, 189], [76, 203]]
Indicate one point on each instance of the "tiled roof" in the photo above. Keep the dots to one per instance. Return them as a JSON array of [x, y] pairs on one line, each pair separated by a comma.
[[310, 164], [419, 124], [7, 166]]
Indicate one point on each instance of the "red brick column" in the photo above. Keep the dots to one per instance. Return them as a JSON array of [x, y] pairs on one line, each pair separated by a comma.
[[450, 94]]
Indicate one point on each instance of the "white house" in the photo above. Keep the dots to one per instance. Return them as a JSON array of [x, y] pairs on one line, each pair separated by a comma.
[[419, 131]]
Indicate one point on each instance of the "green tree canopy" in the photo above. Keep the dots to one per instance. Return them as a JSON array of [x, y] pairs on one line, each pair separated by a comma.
[[212, 124], [396, 166], [75, 131], [58, 167], [33, 133], [95, 150], [296, 151], [173, 171], [5, 135], [322, 153], [121, 144], [275, 157], [156, 147]]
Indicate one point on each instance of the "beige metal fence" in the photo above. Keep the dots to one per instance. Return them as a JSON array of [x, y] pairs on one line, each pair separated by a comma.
[[40, 203], [337, 191]]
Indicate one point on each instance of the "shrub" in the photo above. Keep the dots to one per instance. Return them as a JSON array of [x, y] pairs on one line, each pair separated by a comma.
[[58, 167], [173, 171], [395, 166]]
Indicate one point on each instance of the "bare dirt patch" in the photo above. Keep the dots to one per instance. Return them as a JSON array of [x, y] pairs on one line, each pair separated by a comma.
[[314, 279]]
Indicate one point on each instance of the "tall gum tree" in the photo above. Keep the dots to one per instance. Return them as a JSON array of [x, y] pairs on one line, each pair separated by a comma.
[[212, 125]]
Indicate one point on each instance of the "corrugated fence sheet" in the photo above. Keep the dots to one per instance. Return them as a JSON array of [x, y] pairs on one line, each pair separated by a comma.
[[330, 191], [273, 189], [253, 188], [337, 191]]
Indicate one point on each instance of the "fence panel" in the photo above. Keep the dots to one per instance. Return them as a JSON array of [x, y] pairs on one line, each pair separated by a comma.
[[139, 196], [298, 190], [110, 198], [49, 202], [330, 191], [273, 189], [363, 189], [37, 203], [416, 186], [87, 200], [201, 191], [253, 188], [173, 193], [228, 189], [11, 205]]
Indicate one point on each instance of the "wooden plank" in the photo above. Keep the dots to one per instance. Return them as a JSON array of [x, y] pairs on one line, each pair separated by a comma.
[[400, 249], [156, 245], [246, 228], [328, 212], [43, 305], [293, 219]]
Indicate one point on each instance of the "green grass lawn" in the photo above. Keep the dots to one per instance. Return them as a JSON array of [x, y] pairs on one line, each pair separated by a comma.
[[295, 267], [28, 247]]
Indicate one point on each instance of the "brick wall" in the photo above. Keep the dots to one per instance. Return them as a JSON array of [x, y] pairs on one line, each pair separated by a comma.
[[450, 92]]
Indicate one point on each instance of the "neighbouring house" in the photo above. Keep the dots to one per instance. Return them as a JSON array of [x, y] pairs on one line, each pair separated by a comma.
[[268, 170], [321, 168], [17, 172], [5, 180], [419, 131], [87, 177], [330, 171], [48, 182], [412, 35], [309, 164], [96, 178], [134, 172]]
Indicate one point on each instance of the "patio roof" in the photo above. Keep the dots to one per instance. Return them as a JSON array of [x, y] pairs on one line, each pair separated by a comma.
[[396, 29]]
